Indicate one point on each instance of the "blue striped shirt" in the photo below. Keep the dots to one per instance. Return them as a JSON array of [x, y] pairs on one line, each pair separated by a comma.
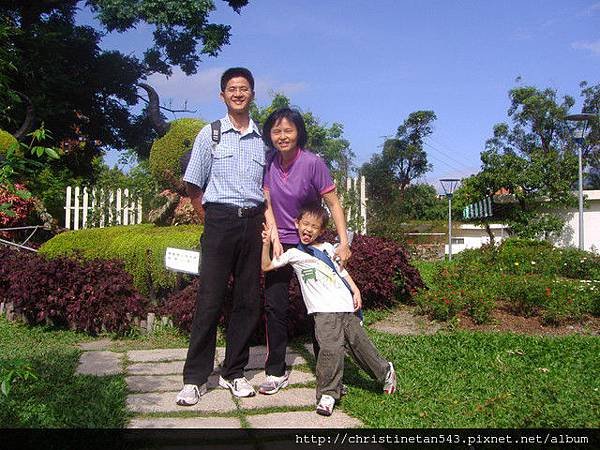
[[231, 172]]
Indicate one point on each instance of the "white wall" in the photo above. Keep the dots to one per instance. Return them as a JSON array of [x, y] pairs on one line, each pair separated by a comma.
[[591, 224]]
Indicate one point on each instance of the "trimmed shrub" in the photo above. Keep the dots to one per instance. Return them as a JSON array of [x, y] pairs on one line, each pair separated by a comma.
[[6, 141], [166, 151], [90, 296], [140, 247]]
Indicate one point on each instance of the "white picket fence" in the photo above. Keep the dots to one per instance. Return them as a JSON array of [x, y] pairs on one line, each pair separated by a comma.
[[98, 208], [356, 208]]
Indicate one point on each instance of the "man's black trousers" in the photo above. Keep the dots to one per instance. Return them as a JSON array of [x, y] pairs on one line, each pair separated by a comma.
[[230, 245]]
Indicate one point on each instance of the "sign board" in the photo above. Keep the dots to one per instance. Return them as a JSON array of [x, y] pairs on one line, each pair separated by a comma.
[[179, 260]]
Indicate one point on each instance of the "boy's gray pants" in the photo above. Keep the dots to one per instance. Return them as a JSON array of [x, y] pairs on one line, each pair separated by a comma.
[[332, 331]]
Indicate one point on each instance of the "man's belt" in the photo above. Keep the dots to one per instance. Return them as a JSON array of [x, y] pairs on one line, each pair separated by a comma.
[[237, 210]]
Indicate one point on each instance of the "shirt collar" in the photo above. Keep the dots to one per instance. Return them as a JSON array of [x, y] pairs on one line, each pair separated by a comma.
[[227, 125]]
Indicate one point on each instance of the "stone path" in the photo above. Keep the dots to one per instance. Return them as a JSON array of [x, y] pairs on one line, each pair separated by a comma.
[[154, 377]]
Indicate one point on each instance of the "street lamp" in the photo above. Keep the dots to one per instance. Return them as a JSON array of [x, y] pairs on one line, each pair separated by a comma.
[[449, 186], [585, 118]]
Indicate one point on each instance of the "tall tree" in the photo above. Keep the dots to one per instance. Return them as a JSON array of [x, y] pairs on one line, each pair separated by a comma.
[[533, 159], [591, 141], [403, 158], [82, 93]]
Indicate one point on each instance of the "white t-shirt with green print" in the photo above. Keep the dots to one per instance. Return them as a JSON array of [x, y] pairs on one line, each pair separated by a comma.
[[322, 289]]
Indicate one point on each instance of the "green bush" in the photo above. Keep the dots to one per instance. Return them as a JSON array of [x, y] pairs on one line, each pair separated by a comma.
[[140, 247], [166, 151], [579, 265], [6, 140]]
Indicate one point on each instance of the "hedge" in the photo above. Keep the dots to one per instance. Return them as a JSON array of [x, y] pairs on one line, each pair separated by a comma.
[[140, 247]]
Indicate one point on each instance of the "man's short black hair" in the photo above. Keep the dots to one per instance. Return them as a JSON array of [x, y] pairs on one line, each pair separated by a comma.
[[316, 210], [236, 72], [293, 116]]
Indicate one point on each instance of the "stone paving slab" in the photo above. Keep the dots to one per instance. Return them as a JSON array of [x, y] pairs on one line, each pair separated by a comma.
[[173, 383], [186, 422], [218, 400], [100, 344], [307, 419], [289, 397], [99, 363], [171, 354], [157, 368]]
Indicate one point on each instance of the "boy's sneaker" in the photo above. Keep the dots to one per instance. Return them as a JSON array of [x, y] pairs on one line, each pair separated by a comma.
[[238, 387], [389, 384], [190, 394], [272, 384], [325, 406]]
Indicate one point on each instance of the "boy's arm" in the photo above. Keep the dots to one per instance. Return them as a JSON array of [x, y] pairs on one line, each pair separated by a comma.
[[355, 292], [266, 262]]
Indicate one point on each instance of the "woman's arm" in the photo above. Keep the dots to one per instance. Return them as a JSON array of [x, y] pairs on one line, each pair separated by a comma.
[[270, 221], [337, 213]]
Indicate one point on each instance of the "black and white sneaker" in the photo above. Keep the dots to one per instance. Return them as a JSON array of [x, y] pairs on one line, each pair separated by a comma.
[[190, 394], [238, 387]]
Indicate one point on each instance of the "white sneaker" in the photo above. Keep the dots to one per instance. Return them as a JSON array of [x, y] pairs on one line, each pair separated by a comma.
[[325, 406], [272, 384], [238, 387], [190, 394], [389, 385]]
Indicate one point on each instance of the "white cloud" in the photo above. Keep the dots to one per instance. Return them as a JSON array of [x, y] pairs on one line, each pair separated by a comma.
[[593, 46], [202, 87]]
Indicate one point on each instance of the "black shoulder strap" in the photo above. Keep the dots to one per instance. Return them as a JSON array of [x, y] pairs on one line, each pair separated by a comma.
[[215, 128]]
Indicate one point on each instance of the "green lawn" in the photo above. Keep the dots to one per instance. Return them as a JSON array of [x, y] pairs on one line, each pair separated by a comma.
[[57, 398], [457, 379], [466, 379]]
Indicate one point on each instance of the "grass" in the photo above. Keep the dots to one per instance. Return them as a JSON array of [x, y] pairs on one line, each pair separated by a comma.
[[57, 398], [466, 379]]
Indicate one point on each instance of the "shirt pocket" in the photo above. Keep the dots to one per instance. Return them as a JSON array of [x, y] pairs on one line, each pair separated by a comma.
[[257, 168], [222, 162]]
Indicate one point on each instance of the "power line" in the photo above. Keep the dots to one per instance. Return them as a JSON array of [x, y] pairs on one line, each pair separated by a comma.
[[463, 166]]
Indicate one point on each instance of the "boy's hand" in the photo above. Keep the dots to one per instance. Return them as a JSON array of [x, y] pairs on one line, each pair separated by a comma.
[[357, 300]]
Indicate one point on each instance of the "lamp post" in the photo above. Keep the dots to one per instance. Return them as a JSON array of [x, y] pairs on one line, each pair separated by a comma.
[[449, 186], [582, 117]]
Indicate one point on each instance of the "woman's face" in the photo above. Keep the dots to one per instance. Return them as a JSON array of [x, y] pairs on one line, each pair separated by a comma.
[[284, 136]]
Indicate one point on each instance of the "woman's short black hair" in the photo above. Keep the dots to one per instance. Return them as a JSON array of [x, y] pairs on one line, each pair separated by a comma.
[[236, 72], [293, 116]]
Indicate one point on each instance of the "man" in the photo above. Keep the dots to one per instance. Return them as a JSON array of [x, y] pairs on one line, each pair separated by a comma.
[[224, 176]]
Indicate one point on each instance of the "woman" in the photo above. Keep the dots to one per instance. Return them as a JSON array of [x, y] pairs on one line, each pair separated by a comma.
[[294, 177]]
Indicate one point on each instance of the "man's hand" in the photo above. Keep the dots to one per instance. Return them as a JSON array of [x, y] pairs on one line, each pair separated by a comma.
[[357, 299], [342, 254]]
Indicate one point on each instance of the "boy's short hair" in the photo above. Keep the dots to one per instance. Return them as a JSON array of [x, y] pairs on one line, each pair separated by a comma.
[[316, 210], [291, 115], [236, 72]]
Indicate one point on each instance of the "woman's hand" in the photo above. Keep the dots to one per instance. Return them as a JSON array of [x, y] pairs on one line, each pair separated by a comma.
[[277, 247], [342, 254]]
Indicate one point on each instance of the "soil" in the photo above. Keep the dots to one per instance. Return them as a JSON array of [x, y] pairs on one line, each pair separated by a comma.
[[404, 321]]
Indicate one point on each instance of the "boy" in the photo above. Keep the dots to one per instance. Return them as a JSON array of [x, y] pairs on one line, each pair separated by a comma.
[[333, 304]]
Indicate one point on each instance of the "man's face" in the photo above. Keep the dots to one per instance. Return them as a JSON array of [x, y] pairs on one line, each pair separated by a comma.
[[238, 95], [309, 228]]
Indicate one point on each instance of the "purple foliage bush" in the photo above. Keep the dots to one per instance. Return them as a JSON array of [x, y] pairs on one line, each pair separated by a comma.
[[379, 267], [90, 296]]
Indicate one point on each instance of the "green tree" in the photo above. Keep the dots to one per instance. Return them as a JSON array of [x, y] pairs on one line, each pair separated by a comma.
[[83, 93], [591, 142], [533, 159]]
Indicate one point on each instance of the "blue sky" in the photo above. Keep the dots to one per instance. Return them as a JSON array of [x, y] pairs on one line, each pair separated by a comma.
[[369, 64]]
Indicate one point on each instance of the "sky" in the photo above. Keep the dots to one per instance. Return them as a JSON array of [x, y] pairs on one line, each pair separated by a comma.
[[368, 64]]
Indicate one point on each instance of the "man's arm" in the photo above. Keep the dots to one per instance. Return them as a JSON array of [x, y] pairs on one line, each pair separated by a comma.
[[195, 194]]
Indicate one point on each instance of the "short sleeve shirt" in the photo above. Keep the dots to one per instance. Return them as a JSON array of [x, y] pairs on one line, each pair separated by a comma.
[[304, 181], [232, 171], [322, 288]]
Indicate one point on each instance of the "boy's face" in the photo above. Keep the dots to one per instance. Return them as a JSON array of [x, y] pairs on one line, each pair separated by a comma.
[[309, 228]]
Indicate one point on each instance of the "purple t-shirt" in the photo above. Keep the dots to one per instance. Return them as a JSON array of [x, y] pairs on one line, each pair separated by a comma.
[[304, 181]]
